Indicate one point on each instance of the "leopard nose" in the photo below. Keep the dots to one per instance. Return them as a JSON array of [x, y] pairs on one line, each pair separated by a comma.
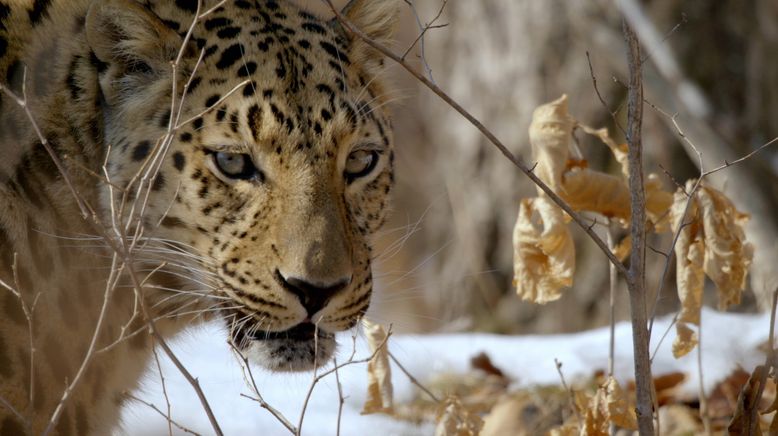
[[313, 296]]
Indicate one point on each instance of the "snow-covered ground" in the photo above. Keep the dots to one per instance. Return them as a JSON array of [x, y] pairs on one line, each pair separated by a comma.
[[729, 340]]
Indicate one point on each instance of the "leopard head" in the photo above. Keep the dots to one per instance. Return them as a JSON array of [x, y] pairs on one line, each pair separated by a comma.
[[277, 165]]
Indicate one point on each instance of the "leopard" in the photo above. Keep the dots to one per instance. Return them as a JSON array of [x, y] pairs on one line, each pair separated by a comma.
[[171, 162]]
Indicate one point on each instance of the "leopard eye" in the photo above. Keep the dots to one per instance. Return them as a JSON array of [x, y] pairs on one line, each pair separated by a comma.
[[360, 163], [237, 166]]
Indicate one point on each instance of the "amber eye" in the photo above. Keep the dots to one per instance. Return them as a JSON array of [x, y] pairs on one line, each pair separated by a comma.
[[360, 163], [236, 166]]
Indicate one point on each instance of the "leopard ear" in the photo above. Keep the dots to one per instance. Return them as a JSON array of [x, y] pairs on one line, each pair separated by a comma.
[[375, 18], [124, 32]]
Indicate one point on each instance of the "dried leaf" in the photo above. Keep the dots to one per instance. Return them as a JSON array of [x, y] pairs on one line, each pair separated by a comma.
[[666, 387], [727, 254], [505, 418], [685, 340], [774, 404], [454, 419], [689, 258], [543, 251], [609, 405], [484, 363], [772, 409], [549, 134], [620, 411], [379, 373], [658, 204], [746, 417], [722, 401], [619, 150], [679, 419], [658, 201], [594, 191], [595, 421], [623, 248], [711, 242]]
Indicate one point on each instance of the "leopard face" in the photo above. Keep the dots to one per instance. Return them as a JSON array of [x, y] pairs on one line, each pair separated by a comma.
[[279, 164]]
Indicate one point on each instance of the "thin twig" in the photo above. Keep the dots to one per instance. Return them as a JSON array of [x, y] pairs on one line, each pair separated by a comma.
[[168, 415], [768, 365], [251, 382], [156, 409], [613, 113], [570, 392], [420, 38], [413, 379], [704, 413], [193, 381], [612, 281], [736, 161], [341, 400], [324, 374]]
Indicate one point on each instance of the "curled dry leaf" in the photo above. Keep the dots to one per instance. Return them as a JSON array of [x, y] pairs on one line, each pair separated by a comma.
[[379, 373], [658, 201], [689, 257], [773, 408], [620, 411], [619, 150], [658, 204], [585, 189], [727, 254], [543, 251], [685, 340], [711, 242], [609, 404], [591, 190], [608, 195], [549, 134], [723, 399], [746, 419], [454, 419]]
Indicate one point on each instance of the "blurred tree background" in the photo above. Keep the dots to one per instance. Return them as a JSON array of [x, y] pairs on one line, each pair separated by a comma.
[[446, 264]]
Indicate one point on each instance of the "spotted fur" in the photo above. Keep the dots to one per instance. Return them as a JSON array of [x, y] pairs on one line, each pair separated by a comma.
[[296, 98]]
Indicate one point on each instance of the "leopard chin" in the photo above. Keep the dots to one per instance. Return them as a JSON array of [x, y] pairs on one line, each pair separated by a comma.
[[300, 348]]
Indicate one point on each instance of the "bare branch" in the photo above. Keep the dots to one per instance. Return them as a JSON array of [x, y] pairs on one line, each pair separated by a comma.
[[636, 279], [341, 400], [571, 394], [350, 361], [420, 38], [167, 417], [737, 161], [249, 378], [413, 379]]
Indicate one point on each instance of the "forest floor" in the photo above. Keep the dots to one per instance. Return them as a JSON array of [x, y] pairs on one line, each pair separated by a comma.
[[512, 381]]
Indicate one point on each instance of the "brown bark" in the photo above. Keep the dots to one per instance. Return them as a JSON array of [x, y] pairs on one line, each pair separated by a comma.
[[636, 280]]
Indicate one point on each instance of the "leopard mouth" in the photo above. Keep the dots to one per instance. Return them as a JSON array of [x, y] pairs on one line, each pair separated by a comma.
[[303, 332], [300, 348]]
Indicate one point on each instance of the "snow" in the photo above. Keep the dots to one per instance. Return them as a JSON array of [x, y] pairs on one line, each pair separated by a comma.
[[729, 341]]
